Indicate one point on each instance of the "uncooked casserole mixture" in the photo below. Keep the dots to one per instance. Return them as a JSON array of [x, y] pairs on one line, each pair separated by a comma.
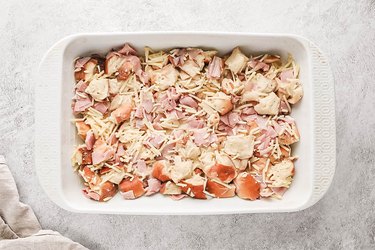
[[185, 122]]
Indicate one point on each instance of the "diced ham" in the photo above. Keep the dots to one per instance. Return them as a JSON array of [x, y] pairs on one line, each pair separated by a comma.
[[175, 114], [147, 105], [215, 68], [287, 74], [158, 118], [233, 119], [102, 107], [102, 152], [90, 140], [81, 62], [191, 68], [82, 104], [188, 101], [194, 123], [271, 132], [249, 111], [81, 86], [127, 50], [128, 195], [141, 167], [178, 133], [154, 186], [139, 112], [156, 140], [264, 152], [261, 121], [225, 119], [167, 104], [257, 65], [201, 137], [139, 124]]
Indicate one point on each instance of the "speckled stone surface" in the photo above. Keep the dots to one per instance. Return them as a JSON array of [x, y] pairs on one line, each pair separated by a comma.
[[344, 30]]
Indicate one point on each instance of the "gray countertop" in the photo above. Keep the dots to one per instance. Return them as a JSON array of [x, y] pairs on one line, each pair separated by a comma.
[[344, 30]]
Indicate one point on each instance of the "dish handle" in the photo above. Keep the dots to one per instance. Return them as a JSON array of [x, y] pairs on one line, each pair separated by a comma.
[[48, 122], [324, 123]]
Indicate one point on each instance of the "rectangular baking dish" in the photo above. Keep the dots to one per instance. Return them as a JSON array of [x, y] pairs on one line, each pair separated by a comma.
[[56, 137]]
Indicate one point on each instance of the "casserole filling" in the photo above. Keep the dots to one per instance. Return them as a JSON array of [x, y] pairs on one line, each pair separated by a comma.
[[185, 122]]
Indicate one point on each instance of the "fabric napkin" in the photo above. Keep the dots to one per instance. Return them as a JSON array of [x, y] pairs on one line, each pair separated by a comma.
[[19, 227]]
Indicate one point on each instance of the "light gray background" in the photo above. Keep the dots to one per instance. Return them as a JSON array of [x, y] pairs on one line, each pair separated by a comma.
[[344, 30]]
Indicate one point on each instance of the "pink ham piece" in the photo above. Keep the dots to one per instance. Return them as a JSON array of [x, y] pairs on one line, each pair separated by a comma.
[[285, 75], [271, 132], [177, 133], [288, 119], [213, 138], [158, 118], [215, 68], [90, 140], [194, 123], [284, 108], [175, 114], [167, 104], [120, 152], [233, 119], [81, 86], [102, 152], [248, 118], [157, 126], [201, 137], [81, 62], [141, 167], [154, 186], [82, 104], [147, 105], [139, 113], [129, 195], [102, 107], [172, 94], [188, 101], [257, 65], [112, 53], [127, 50], [90, 194], [156, 140], [225, 119], [167, 148], [261, 122], [112, 139], [139, 124], [249, 111], [278, 129], [265, 142], [265, 151], [193, 53]]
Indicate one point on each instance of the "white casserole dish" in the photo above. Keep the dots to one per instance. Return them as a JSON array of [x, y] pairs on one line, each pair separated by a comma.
[[56, 137]]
